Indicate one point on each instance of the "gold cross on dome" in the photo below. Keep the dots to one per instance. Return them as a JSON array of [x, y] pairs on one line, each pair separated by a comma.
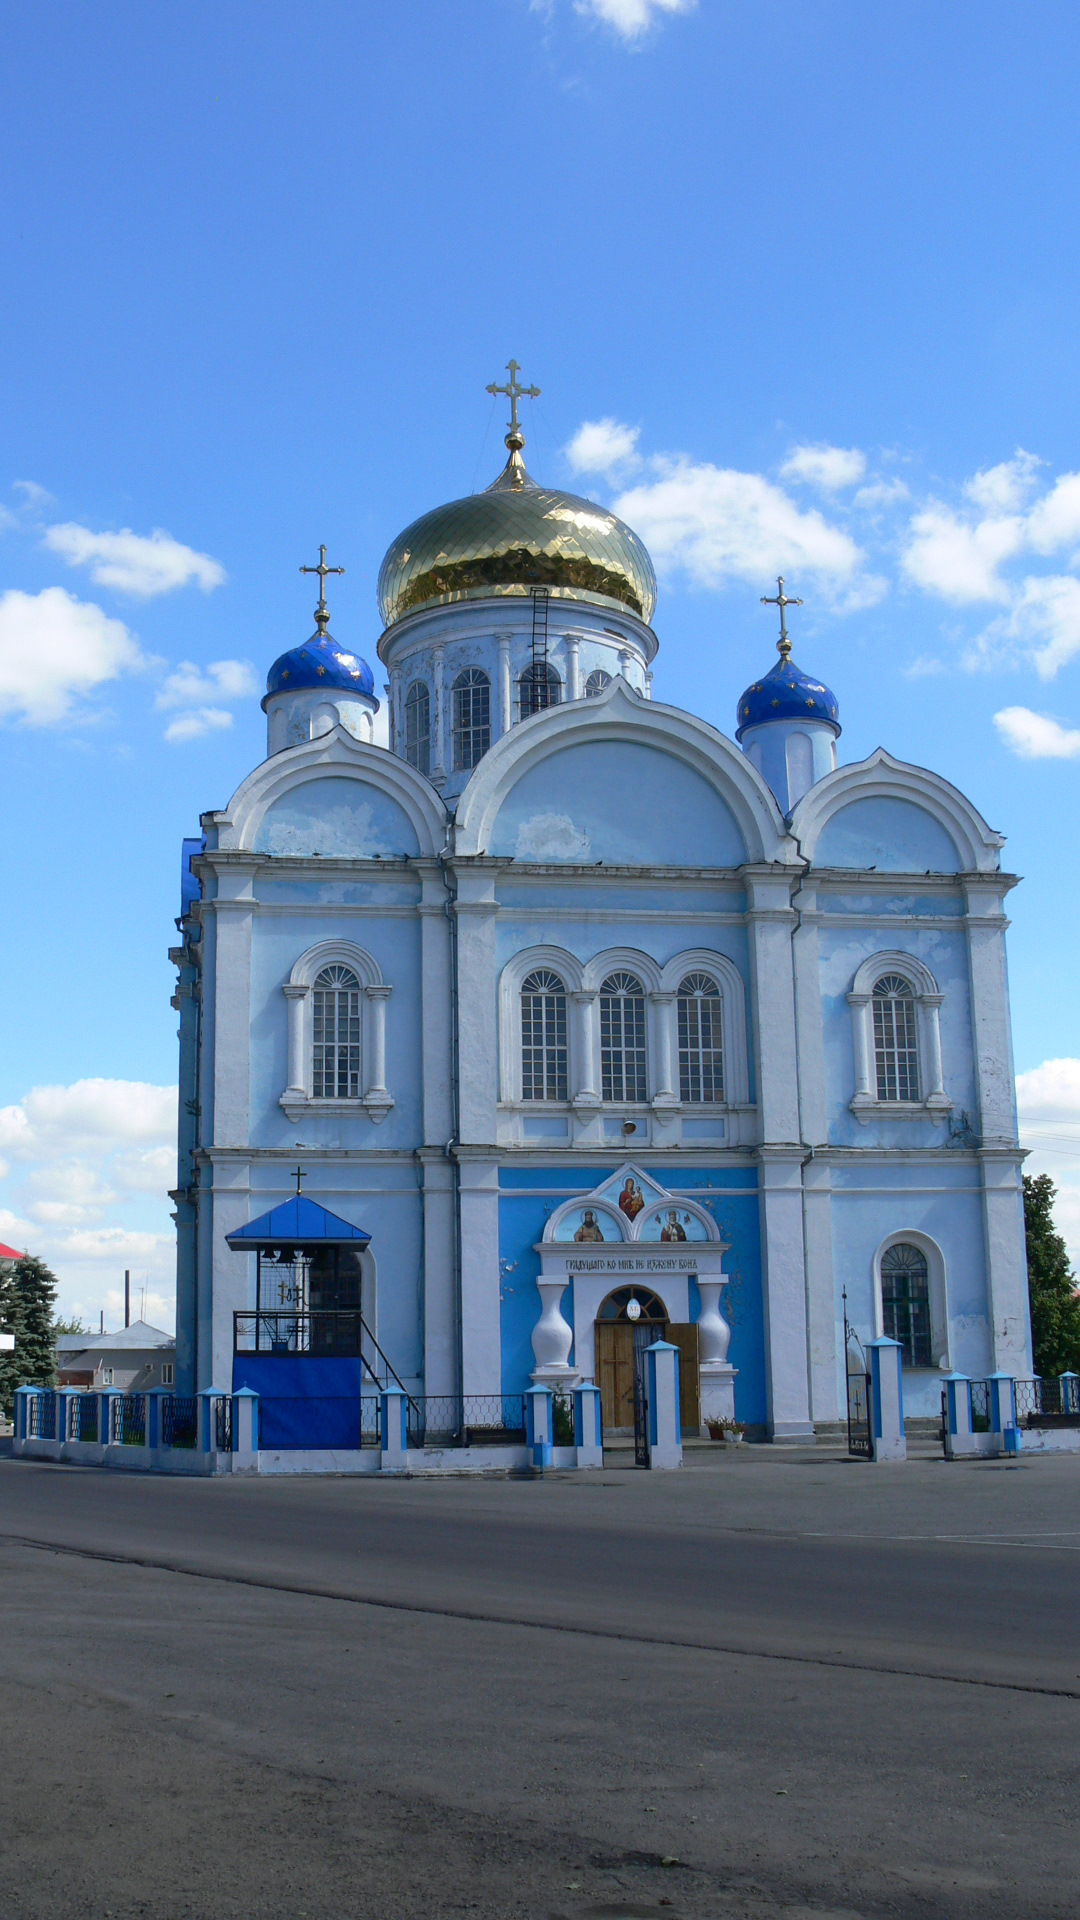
[[322, 616], [514, 392], [782, 600]]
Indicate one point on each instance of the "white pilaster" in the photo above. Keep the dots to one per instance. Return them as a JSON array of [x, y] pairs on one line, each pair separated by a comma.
[[665, 1047], [375, 1062], [505, 691], [481, 1339], [587, 1091], [436, 1040], [475, 909], [1003, 1217], [573, 671], [297, 997], [440, 731]]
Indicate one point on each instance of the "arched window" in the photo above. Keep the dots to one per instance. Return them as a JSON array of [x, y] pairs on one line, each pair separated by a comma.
[[905, 1301], [701, 1046], [896, 1050], [336, 1035], [472, 717], [596, 683], [543, 1037], [538, 687], [418, 727], [622, 1038]]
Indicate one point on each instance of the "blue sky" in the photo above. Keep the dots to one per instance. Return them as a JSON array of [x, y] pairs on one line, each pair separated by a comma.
[[807, 274]]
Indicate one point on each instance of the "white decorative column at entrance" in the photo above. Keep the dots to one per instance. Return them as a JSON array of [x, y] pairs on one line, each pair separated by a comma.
[[552, 1338], [717, 1377]]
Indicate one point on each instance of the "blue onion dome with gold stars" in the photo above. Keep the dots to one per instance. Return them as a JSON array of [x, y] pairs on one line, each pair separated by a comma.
[[785, 693], [512, 538], [320, 662]]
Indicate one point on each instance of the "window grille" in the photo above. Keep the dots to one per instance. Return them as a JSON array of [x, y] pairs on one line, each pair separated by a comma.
[[418, 727], [701, 1047], [895, 1041], [336, 1019], [538, 687], [596, 683], [543, 1037], [905, 1302], [472, 717], [622, 1038]]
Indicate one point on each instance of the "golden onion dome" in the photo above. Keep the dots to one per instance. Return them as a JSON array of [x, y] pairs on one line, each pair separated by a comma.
[[510, 539]]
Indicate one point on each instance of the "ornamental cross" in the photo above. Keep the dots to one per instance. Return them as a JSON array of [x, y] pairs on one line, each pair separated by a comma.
[[514, 392], [782, 600], [322, 616], [298, 1171]]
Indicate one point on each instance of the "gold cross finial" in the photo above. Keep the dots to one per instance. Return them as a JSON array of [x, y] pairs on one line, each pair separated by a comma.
[[515, 439], [782, 600], [322, 617]]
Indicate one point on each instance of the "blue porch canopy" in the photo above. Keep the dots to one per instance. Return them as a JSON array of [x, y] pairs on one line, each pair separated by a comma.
[[296, 1223]]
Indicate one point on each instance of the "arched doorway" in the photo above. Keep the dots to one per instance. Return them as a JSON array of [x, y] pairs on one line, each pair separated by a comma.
[[627, 1323]]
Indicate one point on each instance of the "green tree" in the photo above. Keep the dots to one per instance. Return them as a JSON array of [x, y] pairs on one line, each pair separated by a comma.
[[9, 1362], [1055, 1302], [70, 1326], [35, 1343]]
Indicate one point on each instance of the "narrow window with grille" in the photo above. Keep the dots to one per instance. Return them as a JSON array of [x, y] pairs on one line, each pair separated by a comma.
[[418, 727], [701, 1047], [905, 1302], [336, 1035], [622, 1038], [896, 1049], [543, 1037], [538, 687], [472, 717]]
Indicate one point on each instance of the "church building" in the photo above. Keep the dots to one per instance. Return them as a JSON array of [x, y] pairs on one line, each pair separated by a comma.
[[568, 1022]]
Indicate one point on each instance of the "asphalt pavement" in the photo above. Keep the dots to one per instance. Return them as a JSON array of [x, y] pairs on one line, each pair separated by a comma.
[[774, 1684]]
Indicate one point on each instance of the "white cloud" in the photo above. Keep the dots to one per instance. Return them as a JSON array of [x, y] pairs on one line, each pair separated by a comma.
[[1050, 1091], [33, 494], [830, 468], [716, 524], [949, 556], [89, 1168], [133, 563], [1043, 626], [54, 648], [190, 687], [1004, 488], [631, 18], [881, 493], [598, 446], [197, 724], [1035, 736]]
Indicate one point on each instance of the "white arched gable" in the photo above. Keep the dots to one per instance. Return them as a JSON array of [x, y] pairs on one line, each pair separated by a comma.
[[335, 755], [978, 847], [621, 713], [373, 1099]]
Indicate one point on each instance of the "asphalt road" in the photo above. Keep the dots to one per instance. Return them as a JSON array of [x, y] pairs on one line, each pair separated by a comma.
[[808, 1685]]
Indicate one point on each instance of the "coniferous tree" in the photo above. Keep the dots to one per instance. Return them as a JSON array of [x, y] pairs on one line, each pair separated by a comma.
[[35, 1343], [1055, 1302], [9, 1362]]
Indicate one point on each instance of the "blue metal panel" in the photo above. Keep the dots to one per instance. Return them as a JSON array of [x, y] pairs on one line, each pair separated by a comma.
[[297, 1222]]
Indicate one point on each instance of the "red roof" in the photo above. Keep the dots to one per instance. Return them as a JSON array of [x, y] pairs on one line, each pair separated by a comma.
[[9, 1253]]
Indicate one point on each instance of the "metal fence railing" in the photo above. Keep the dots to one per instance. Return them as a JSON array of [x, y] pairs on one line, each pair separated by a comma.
[[83, 1418], [980, 1406], [129, 1420], [469, 1420], [180, 1420], [1051, 1400], [41, 1417]]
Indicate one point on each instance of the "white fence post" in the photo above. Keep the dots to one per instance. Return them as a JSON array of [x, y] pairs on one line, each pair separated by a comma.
[[886, 1400], [394, 1429], [588, 1427], [665, 1431], [538, 1424]]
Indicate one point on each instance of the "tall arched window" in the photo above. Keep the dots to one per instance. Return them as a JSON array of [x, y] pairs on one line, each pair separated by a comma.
[[472, 717], [336, 1035], [418, 727], [622, 1038], [896, 1047], [701, 1046], [905, 1301], [596, 683], [538, 687], [543, 1037]]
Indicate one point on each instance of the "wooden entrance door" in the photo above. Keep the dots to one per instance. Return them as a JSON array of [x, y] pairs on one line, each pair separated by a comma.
[[617, 1343], [686, 1339]]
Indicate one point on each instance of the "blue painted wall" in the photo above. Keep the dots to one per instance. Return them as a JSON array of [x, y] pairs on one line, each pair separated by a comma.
[[618, 801]]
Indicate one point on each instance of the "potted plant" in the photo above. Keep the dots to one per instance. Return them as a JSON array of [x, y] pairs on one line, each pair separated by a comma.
[[730, 1432]]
